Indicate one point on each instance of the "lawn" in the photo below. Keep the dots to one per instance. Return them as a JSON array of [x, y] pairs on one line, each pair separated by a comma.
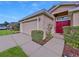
[[7, 32], [13, 52], [37, 35]]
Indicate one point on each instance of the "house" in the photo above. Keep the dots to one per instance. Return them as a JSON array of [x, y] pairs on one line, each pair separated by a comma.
[[64, 14], [37, 21], [2, 27], [13, 26]]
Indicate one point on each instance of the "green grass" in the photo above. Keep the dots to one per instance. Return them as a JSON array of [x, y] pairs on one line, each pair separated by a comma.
[[37, 35], [13, 52], [7, 32]]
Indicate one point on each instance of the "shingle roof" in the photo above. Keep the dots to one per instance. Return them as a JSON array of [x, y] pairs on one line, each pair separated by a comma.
[[43, 11], [75, 9], [64, 3]]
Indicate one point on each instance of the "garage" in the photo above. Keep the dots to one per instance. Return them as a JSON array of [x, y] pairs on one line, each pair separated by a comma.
[[37, 21], [27, 27]]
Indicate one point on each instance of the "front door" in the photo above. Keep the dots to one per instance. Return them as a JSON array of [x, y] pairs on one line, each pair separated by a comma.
[[61, 22]]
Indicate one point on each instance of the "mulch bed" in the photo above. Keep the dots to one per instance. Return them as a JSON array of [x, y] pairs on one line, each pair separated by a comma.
[[70, 51], [42, 42]]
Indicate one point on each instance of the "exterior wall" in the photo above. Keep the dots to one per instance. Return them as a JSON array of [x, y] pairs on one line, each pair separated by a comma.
[[62, 9], [47, 21], [21, 27], [27, 27], [76, 18]]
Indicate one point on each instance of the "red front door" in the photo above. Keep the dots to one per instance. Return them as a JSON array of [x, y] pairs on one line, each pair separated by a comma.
[[60, 25]]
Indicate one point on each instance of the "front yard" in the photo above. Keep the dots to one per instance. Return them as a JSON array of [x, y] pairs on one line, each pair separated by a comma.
[[13, 52], [7, 32]]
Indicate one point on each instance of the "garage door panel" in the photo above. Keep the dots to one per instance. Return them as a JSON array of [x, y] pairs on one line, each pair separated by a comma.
[[29, 26]]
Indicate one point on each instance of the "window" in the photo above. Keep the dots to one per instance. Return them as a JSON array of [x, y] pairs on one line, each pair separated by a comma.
[[62, 18]]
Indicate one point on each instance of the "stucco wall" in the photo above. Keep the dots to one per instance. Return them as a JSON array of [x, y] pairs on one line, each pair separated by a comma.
[[76, 18], [21, 27], [47, 21], [27, 27], [62, 8]]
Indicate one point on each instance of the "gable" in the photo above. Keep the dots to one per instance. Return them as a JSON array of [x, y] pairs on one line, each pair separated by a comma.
[[62, 8]]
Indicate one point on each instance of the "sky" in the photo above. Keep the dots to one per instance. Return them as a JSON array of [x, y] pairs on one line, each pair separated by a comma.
[[13, 11]]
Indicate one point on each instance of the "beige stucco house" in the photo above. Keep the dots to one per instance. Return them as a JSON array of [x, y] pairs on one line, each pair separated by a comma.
[[37, 21], [65, 14]]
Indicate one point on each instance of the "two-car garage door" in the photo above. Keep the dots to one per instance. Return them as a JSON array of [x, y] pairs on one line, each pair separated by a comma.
[[27, 27]]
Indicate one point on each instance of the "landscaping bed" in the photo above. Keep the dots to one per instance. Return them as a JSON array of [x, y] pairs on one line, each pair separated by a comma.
[[37, 36], [71, 37], [42, 42], [13, 52], [70, 51], [7, 32]]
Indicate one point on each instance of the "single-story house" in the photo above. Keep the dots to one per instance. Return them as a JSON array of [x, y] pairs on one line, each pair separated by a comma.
[[37, 21], [2, 27], [65, 14]]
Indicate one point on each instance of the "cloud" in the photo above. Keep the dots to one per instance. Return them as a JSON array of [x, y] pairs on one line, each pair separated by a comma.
[[12, 17], [35, 4], [7, 18]]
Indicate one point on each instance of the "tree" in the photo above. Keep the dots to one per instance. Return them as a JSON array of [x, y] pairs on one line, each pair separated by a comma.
[[6, 23], [15, 26]]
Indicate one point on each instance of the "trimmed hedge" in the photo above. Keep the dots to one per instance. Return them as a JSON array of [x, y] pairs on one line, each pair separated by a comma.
[[37, 35], [71, 36]]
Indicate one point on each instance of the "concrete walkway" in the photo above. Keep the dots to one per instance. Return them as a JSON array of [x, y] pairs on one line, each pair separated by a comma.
[[53, 48]]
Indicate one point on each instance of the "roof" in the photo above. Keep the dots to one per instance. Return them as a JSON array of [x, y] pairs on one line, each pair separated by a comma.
[[43, 11], [64, 4], [73, 10], [1, 24]]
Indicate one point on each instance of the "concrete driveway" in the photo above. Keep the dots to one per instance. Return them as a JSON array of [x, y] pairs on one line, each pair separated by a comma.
[[9, 41], [53, 48]]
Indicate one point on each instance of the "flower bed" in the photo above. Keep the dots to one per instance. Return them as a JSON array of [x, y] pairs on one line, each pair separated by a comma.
[[71, 37]]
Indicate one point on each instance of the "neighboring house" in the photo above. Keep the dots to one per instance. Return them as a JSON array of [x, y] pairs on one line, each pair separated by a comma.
[[65, 14], [13, 25], [2, 27]]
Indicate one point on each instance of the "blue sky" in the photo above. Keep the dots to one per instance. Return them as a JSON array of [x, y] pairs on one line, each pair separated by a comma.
[[15, 11]]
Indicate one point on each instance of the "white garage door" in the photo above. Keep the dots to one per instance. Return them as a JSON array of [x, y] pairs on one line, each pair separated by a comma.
[[29, 26]]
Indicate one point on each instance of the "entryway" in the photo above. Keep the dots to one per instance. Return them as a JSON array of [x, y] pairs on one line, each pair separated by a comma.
[[62, 19], [60, 25]]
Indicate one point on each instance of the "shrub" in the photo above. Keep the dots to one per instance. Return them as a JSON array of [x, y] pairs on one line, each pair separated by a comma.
[[37, 35], [71, 36], [48, 33]]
